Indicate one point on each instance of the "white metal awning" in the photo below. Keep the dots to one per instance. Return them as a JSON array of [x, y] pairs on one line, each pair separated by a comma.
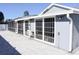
[[42, 16]]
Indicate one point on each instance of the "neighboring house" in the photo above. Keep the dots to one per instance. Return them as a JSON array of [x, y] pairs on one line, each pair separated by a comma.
[[57, 25], [2, 18]]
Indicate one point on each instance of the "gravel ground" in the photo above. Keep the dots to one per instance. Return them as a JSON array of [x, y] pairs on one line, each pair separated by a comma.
[[25, 46]]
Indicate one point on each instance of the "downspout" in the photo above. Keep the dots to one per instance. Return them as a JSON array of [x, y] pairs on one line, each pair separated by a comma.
[[16, 26], [71, 34]]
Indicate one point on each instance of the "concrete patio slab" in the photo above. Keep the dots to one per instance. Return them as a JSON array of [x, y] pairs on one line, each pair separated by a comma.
[[27, 46]]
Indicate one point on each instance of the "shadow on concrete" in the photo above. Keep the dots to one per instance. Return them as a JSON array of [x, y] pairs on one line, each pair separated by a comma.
[[6, 48]]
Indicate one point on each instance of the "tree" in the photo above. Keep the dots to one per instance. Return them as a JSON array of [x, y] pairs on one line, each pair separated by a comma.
[[26, 13], [8, 20], [1, 17]]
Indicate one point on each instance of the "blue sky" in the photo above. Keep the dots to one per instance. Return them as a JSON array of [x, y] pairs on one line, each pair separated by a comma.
[[14, 10]]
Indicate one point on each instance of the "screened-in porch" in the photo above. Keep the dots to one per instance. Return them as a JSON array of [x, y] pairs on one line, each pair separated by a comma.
[[47, 29], [40, 28]]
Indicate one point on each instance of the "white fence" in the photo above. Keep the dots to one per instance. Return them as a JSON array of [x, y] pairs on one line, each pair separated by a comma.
[[3, 27]]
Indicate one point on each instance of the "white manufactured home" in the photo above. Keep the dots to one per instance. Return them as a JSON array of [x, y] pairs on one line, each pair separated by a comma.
[[56, 25]]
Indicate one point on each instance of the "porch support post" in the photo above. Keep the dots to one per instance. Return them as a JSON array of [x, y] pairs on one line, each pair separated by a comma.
[[29, 27], [17, 27], [43, 28], [34, 28], [24, 28]]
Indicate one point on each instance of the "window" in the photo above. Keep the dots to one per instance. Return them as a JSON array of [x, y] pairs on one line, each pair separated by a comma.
[[61, 18], [49, 29]]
